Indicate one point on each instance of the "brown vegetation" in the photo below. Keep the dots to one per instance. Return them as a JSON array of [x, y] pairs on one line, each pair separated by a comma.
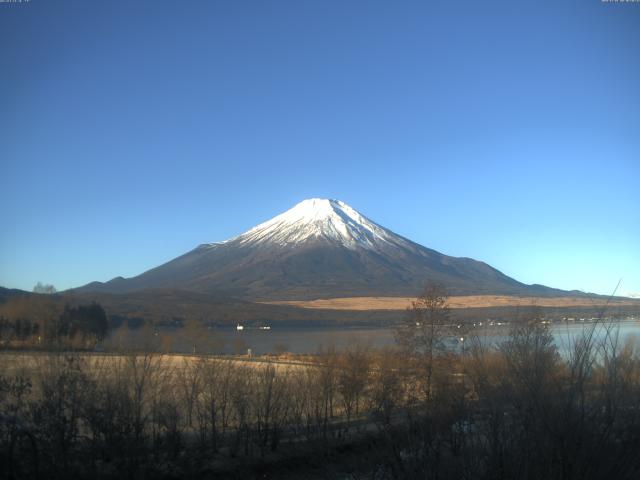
[[435, 407], [515, 411], [467, 301]]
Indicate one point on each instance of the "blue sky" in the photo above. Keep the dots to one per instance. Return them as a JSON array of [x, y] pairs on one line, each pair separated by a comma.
[[505, 131]]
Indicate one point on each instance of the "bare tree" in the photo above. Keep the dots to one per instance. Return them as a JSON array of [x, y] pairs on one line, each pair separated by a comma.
[[218, 378], [353, 378], [387, 386], [241, 391], [190, 383], [44, 288], [423, 333]]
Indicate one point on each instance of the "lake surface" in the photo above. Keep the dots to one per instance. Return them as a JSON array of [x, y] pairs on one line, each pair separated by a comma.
[[313, 339]]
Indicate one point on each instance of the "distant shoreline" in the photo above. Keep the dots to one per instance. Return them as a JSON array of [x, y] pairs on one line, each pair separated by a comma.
[[457, 302]]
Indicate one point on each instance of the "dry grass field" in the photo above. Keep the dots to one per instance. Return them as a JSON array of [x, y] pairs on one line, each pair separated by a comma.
[[27, 363], [470, 301]]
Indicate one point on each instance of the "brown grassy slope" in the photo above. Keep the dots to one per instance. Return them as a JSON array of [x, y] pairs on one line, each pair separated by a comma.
[[469, 301]]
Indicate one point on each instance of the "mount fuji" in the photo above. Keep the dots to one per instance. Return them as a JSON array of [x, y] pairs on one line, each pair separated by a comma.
[[319, 249]]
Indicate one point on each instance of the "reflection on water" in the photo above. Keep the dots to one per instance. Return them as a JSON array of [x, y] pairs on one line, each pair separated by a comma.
[[311, 340], [565, 334]]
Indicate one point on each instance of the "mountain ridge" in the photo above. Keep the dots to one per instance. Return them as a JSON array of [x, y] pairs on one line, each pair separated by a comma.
[[320, 248]]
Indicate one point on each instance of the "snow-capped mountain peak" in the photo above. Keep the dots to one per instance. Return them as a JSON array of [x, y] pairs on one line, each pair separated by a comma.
[[318, 249], [320, 219]]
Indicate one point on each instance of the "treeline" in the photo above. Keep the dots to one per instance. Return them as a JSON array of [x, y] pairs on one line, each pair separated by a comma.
[[42, 323], [517, 410], [443, 404]]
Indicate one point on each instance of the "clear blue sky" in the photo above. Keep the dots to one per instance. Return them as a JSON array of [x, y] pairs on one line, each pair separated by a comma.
[[506, 131]]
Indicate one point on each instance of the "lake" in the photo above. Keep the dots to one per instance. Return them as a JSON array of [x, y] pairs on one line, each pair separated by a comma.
[[312, 339]]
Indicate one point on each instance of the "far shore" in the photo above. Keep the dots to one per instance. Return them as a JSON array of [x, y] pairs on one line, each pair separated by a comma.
[[458, 302]]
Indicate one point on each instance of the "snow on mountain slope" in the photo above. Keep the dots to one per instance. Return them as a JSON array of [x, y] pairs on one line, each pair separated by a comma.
[[319, 218], [318, 249]]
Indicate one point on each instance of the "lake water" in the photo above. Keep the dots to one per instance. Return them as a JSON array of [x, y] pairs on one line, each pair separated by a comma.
[[312, 340]]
